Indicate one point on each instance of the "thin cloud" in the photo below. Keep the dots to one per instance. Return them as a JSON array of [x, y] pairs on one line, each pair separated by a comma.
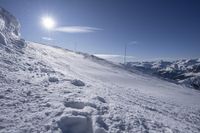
[[115, 58], [133, 42], [47, 38], [76, 29], [108, 55]]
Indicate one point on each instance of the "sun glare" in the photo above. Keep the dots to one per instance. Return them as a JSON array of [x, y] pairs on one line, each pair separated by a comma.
[[48, 22]]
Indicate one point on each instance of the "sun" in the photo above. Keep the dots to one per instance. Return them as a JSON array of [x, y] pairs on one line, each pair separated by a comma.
[[48, 22]]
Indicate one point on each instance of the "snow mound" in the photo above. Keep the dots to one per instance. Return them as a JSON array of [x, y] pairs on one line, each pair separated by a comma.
[[10, 30], [77, 82], [53, 79]]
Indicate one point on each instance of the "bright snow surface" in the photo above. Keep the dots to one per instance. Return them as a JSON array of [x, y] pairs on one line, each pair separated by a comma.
[[51, 90]]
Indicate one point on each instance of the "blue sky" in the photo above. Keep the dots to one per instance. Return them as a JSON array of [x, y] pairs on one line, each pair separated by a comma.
[[167, 29]]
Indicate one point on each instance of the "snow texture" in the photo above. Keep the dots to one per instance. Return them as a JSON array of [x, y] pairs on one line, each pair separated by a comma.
[[37, 94]]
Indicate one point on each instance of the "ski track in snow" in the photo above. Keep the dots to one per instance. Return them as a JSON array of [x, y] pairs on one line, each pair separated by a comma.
[[38, 94]]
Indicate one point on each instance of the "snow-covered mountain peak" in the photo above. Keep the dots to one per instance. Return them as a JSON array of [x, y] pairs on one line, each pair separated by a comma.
[[185, 71], [9, 30]]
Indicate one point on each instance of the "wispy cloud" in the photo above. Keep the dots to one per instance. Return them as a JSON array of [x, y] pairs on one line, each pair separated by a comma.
[[115, 58], [108, 55], [77, 29], [47, 38], [133, 42]]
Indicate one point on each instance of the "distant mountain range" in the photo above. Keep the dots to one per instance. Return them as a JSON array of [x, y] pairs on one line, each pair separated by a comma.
[[185, 72]]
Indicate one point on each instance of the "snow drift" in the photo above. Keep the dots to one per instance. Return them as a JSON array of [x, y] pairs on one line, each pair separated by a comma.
[[9, 30]]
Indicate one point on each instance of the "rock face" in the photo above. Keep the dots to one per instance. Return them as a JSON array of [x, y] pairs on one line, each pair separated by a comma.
[[9, 30]]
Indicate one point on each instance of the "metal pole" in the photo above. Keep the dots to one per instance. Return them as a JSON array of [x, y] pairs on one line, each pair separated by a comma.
[[125, 50], [49, 36], [125, 53], [75, 47]]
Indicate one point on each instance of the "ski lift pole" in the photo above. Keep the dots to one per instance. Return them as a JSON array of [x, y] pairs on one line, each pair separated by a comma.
[[125, 53], [125, 50]]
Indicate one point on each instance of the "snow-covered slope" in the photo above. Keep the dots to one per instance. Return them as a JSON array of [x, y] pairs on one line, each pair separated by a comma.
[[45, 89], [181, 71]]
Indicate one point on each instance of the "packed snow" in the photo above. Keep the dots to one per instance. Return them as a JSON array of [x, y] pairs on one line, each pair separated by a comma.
[[45, 89]]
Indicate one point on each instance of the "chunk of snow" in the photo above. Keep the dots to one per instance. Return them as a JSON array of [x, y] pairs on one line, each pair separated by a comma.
[[77, 82], [2, 24], [75, 124], [2, 39], [53, 79]]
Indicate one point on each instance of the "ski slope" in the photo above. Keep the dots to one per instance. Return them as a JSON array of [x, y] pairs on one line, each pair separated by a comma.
[[45, 89], [37, 95]]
